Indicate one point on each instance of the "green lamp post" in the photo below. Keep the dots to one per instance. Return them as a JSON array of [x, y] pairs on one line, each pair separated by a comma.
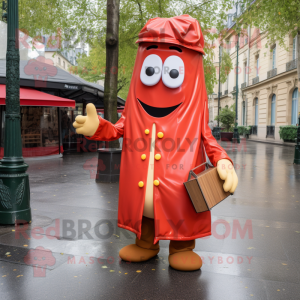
[[218, 129], [297, 147], [236, 136], [14, 182]]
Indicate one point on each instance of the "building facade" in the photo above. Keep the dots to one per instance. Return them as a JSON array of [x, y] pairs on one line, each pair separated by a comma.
[[63, 57], [267, 81]]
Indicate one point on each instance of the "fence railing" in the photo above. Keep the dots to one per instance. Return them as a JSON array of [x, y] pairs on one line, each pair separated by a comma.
[[291, 65], [272, 73], [254, 130], [255, 80], [271, 131]]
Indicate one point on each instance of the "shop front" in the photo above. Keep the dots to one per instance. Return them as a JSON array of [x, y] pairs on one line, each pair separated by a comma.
[[41, 122], [47, 119]]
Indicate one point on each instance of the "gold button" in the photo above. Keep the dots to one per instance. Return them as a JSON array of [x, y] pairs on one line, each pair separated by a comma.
[[143, 157], [147, 131], [156, 182], [157, 156], [160, 135], [141, 184]]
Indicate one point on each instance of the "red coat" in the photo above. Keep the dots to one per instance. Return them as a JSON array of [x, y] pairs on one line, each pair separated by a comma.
[[187, 125]]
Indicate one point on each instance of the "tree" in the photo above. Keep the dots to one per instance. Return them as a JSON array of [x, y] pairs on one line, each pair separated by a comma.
[[133, 16], [86, 20], [112, 67], [279, 18], [227, 117]]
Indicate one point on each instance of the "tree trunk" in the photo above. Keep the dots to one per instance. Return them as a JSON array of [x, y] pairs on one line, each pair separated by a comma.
[[112, 56]]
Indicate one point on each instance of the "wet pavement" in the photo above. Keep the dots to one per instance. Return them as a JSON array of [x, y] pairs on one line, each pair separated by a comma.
[[253, 253]]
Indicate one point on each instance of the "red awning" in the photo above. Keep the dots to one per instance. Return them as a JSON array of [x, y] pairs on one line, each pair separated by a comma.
[[31, 97]]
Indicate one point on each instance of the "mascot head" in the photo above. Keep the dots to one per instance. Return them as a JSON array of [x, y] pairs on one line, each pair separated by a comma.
[[168, 64]]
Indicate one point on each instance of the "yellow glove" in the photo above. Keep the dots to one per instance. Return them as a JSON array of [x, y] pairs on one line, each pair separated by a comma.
[[226, 172], [87, 125]]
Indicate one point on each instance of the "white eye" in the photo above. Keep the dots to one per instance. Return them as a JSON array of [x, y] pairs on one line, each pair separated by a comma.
[[173, 72], [151, 70]]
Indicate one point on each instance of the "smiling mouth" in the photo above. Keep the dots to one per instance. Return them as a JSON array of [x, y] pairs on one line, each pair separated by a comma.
[[158, 112]]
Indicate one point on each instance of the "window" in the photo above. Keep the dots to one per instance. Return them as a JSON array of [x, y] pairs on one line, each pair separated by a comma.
[[256, 111], [273, 109], [59, 60], [245, 71], [257, 66], [229, 20], [244, 113], [274, 58], [295, 107], [227, 82], [294, 48], [64, 64]]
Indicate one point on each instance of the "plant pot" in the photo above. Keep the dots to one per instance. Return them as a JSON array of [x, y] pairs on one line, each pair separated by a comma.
[[108, 167], [226, 136]]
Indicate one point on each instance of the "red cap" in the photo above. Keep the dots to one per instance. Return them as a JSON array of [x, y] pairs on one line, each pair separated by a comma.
[[182, 30]]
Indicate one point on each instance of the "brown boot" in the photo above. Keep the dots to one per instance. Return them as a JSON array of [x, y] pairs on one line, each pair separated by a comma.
[[182, 257], [143, 249]]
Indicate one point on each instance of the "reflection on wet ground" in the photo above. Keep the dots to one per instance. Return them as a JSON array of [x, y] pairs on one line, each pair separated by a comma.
[[253, 252]]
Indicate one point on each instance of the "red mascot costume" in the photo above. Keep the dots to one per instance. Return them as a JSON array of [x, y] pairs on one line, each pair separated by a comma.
[[165, 131]]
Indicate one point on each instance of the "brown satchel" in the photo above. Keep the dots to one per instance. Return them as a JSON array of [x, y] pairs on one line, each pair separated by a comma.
[[206, 188]]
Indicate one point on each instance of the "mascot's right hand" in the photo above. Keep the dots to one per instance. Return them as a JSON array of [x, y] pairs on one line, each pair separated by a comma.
[[87, 125]]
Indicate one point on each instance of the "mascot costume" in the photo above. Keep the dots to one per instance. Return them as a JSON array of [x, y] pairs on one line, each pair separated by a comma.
[[165, 134]]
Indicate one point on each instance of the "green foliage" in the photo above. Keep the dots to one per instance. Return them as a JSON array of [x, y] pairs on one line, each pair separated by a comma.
[[212, 73], [45, 16], [87, 19], [244, 130], [288, 133], [227, 117], [133, 16], [278, 17]]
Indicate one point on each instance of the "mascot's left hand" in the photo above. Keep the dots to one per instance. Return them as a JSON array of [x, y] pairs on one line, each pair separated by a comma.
[[226, 172]]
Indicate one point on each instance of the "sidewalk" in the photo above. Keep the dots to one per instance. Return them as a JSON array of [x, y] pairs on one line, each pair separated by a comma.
[[253, 252]]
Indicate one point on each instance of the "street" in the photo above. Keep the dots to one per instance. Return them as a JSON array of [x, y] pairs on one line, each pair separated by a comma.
[[253, 252]]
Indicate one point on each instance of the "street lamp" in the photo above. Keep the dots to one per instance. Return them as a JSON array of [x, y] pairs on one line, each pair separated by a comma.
[[297, 147], [14, 182], [218, 129], [215, 130], [236, 136]]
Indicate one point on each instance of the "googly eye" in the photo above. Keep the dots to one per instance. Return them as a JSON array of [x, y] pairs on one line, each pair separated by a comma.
[[151, 70], [173, 72]]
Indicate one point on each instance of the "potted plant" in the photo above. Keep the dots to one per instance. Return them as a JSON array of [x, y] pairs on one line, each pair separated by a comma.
[[244, 131], [288, 133], [226, 118]]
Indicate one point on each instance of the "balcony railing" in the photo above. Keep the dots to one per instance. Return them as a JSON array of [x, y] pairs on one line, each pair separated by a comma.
[[254, 130], [234, 88], [226, 92], [271, 131], [244, 85], [255, 80], [291, 65], [220, 94], [272, 73]]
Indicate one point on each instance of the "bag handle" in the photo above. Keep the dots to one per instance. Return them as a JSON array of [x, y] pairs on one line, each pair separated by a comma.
[[192, 173]]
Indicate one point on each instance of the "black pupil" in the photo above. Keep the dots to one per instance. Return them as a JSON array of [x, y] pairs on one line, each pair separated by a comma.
[[150, 71], [174, 73]]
